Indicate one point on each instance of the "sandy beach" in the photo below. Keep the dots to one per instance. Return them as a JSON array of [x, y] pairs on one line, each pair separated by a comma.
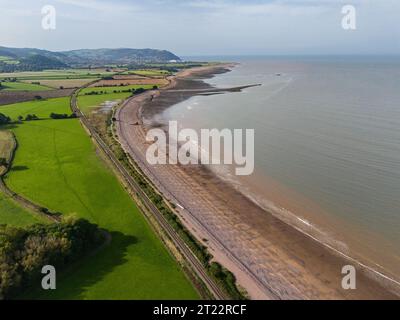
[[270, 258]]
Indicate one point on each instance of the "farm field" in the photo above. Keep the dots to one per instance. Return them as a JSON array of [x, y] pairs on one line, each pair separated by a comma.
[[58, 74], [118, 80], [8, 60], [88, 102], [111, 89], [64, 83], [21, 86], [150, 72], [10, 97], [41, 108], [58, 168]]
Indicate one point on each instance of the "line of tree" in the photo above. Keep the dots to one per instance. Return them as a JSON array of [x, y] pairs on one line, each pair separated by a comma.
[[62, 116], [132, 90], [92, 93], [24, 252]]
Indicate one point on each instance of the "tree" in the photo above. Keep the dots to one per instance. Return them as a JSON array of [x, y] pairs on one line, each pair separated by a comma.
[[4, 119], [23, 252], [20, 118], [62, 116], [30, 117]]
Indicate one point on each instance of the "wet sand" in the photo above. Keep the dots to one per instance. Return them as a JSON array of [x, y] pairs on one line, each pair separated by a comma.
[[270, 258]]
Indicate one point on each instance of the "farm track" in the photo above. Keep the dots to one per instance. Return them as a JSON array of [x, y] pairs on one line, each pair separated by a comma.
[[195, 264]]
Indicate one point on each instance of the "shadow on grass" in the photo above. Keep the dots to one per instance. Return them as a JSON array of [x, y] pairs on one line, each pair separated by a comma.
[[19, 168], [9, 126], [74, 281]]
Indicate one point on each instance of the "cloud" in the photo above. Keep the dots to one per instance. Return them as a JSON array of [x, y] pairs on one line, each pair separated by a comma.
[[102, 6], [286, 7], [206, 26]]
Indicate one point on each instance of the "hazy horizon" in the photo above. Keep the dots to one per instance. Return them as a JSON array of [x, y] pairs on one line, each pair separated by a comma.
[[206, 27]]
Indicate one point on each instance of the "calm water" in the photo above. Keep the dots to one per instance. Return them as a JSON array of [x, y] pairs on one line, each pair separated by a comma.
[[327, 144]]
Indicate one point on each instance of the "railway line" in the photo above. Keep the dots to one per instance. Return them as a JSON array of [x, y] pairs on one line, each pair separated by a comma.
[[195, 264]]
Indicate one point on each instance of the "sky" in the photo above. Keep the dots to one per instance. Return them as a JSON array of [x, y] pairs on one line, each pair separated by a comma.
[[206, 27]]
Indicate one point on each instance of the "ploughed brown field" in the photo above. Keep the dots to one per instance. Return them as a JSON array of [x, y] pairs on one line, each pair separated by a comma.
[[8, 97], [65, 83]]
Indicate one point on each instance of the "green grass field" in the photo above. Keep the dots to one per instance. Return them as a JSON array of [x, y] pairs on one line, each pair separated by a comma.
[[87, 102], [57, 74], [21, 86], [57, 166], [114, 88], [8, 60], [12, 214], [65, 83], [41, 108], [150, 72]]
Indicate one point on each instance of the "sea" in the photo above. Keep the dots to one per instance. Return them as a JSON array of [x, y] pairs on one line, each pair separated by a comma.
[[327, 145]]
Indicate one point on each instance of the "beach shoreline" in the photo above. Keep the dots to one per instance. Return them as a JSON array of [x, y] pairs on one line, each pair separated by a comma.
[[270, 258]]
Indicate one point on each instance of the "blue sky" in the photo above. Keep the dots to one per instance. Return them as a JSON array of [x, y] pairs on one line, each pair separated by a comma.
[[206, 27]]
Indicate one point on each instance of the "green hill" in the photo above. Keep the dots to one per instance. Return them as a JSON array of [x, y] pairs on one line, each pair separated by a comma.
[[27, 59]]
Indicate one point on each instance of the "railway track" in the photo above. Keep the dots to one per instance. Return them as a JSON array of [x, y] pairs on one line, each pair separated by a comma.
[[195, 264]]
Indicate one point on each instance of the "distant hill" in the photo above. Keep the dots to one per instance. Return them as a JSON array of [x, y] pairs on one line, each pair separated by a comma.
[[27, 59]]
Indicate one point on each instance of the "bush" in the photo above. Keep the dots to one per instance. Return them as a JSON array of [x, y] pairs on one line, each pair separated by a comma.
[[4, 119], [226, 279], [31, 117], [139, 90], [23, 252]]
